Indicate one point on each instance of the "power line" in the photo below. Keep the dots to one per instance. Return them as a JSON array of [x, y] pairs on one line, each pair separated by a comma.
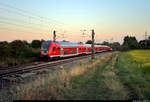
[[16, 30], [30, 18], [27, 12], [24, 21], [18, 25], [21, 14], [35, 15], [34, 25], [25, 15]]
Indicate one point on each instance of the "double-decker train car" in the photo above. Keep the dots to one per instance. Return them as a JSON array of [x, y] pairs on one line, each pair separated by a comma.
[[64, 49], [58, 49]]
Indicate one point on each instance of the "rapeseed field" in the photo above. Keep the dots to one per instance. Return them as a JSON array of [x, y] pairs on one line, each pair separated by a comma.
[[142, 57], [134, 71]]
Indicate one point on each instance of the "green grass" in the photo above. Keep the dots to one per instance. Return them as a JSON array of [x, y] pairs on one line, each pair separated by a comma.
[[107, 78], [134, 72], [25, 57], [99, 84], [95, 79]]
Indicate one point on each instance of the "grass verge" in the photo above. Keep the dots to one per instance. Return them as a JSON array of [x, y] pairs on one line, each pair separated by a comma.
[[95, 79], [134, 75]]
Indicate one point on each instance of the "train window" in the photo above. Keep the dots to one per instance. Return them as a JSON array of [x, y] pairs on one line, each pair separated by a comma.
[[74, 52], [84, 48], [54, 48], [58, 48], [66, 52], [79, 48]]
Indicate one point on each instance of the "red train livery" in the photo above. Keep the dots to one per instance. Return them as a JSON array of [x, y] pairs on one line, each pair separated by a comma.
[[64, 49]]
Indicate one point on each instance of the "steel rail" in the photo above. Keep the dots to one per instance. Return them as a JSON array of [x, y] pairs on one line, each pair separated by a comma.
[[45, 65]]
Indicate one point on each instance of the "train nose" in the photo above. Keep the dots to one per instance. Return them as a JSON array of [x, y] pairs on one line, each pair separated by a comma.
[[44, 51]]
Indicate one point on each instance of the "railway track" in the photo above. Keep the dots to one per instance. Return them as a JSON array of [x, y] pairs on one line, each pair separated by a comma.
[[17, 66], [46, 65]]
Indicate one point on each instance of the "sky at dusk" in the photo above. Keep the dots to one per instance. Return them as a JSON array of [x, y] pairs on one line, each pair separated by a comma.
[[37, 19]]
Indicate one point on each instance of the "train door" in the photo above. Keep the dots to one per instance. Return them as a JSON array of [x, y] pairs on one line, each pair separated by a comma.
[[58, 51], [61, 51], [54, 51]]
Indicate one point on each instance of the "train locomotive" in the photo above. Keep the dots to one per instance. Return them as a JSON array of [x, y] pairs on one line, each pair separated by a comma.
[[65, 49]]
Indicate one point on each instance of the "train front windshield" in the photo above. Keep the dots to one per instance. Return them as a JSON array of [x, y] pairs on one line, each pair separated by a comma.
[[45, 46]]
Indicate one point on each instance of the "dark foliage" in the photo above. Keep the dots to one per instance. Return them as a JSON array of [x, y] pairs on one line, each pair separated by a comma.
[[115, 45], [130, 42], [144, 44], [106, 43], [17, 52], [5, 50], [89, 42], [36, 44]]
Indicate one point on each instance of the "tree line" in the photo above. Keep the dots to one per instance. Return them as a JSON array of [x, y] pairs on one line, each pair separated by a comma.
[[129, 43], [19, 52]]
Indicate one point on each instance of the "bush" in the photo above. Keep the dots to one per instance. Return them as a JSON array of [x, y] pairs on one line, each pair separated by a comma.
[[36, 44], [124, 48], [17, 52]]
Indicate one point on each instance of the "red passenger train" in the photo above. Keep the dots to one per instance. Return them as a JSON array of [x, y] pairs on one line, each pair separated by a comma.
[[65, 49]]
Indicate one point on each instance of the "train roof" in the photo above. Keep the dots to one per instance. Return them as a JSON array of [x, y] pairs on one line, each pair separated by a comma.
[[99, 45], [104, 46], [63, 44], [87, 45], [49, 41], [66, 44], [71, 44]]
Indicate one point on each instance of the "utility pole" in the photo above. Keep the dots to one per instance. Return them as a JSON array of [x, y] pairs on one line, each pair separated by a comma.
[[83, 34], [111, 40], [93, 50], [54, 35], [145, 39]]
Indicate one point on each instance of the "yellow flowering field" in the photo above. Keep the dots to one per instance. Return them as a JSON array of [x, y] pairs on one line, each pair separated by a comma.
[[141, 56]]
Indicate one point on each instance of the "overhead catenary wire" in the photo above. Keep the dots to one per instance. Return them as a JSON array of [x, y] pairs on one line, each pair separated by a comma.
[[22, 21], [35, 16], [31, 17], [27, 16], [27, 13], [30, 20], [18, 25], [20, 31], [5, 20]]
